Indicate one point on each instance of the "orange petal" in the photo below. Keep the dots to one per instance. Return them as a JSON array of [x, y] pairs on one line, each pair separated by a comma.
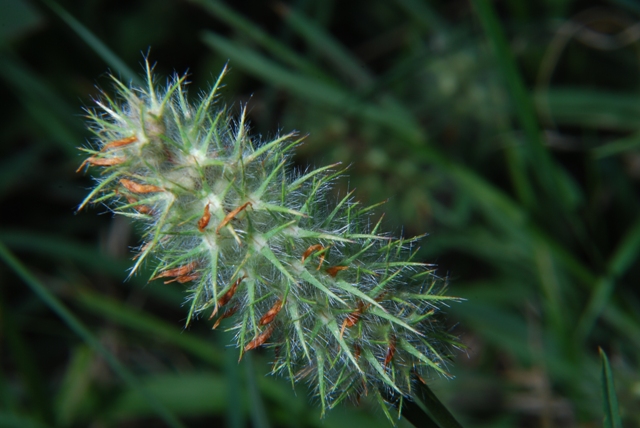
[[227, 296], [119, 143], [232, 310], [142, 209], [176, 272], [271, 314], [353, 318], [310, 250], [134, 187], [184, 278], [231, 216], [260, 339], [333, 271], [101, 162], [204, 220], [356, 351], [390, 351]]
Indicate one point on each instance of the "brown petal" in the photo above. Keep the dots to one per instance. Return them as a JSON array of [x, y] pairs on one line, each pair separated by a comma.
[[204, 220], [231, 216], [134, 187], [333, 271], [119, 143], [176, 272], [101, 162], [271, 314], [260, 339]]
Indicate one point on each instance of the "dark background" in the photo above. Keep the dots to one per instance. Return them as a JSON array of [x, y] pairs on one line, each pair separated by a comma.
[[506, 130]]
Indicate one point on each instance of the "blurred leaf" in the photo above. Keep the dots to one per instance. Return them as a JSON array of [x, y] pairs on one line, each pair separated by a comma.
[[506, 330], [74, 396], [184, 394], [425, 15], [88, 257], [60, 247], [13, 420], [256, 407], [321, 41], [235, 417], [45, 107], [591, 109], [624, 256], [26, 364], [12, 170], [521, 102], [610, 400], [345, 62], [312, 89], [78, 327], [629, 4], [8, 399], [96, 44], [151, 326], [625, 324], [435, 407], [251, 30], [616, 147], [16, 18], [415, 412]]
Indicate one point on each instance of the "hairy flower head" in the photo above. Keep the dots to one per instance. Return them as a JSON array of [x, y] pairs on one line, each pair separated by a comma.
[[261, 250]]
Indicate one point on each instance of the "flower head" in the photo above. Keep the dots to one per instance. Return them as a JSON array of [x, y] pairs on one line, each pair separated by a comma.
[[260, 249]]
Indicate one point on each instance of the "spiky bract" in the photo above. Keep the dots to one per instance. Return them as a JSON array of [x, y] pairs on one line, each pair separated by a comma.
[[344, 305]]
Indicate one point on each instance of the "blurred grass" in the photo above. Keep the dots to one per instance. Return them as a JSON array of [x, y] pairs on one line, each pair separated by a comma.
[[611, 413], [528, 187]]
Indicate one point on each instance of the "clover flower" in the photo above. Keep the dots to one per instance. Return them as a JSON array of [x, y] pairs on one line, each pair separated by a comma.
[[262, 250]]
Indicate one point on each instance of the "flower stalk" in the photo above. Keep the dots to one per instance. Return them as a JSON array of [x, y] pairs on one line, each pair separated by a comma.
[[261, 250]]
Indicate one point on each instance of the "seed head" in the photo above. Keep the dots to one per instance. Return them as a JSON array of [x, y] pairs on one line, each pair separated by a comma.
[[262, 249]]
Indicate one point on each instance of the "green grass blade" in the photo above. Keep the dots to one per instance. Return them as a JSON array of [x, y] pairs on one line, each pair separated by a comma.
[[507, 64], [617, 147], [521, 101], [504, 213], [249, 29], [83, 332], [258, 411], [591, 109], [300, 85], [311, 88], [188, 393], [96, 44], [435, 407], [343, 61], [320, 40], [551, 178], [46, 109], [89, 257], [610, 400], [149, 325], [414, 412], [26, 366], [627, 324], [59, 247], [623, 258], [75, 388]]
